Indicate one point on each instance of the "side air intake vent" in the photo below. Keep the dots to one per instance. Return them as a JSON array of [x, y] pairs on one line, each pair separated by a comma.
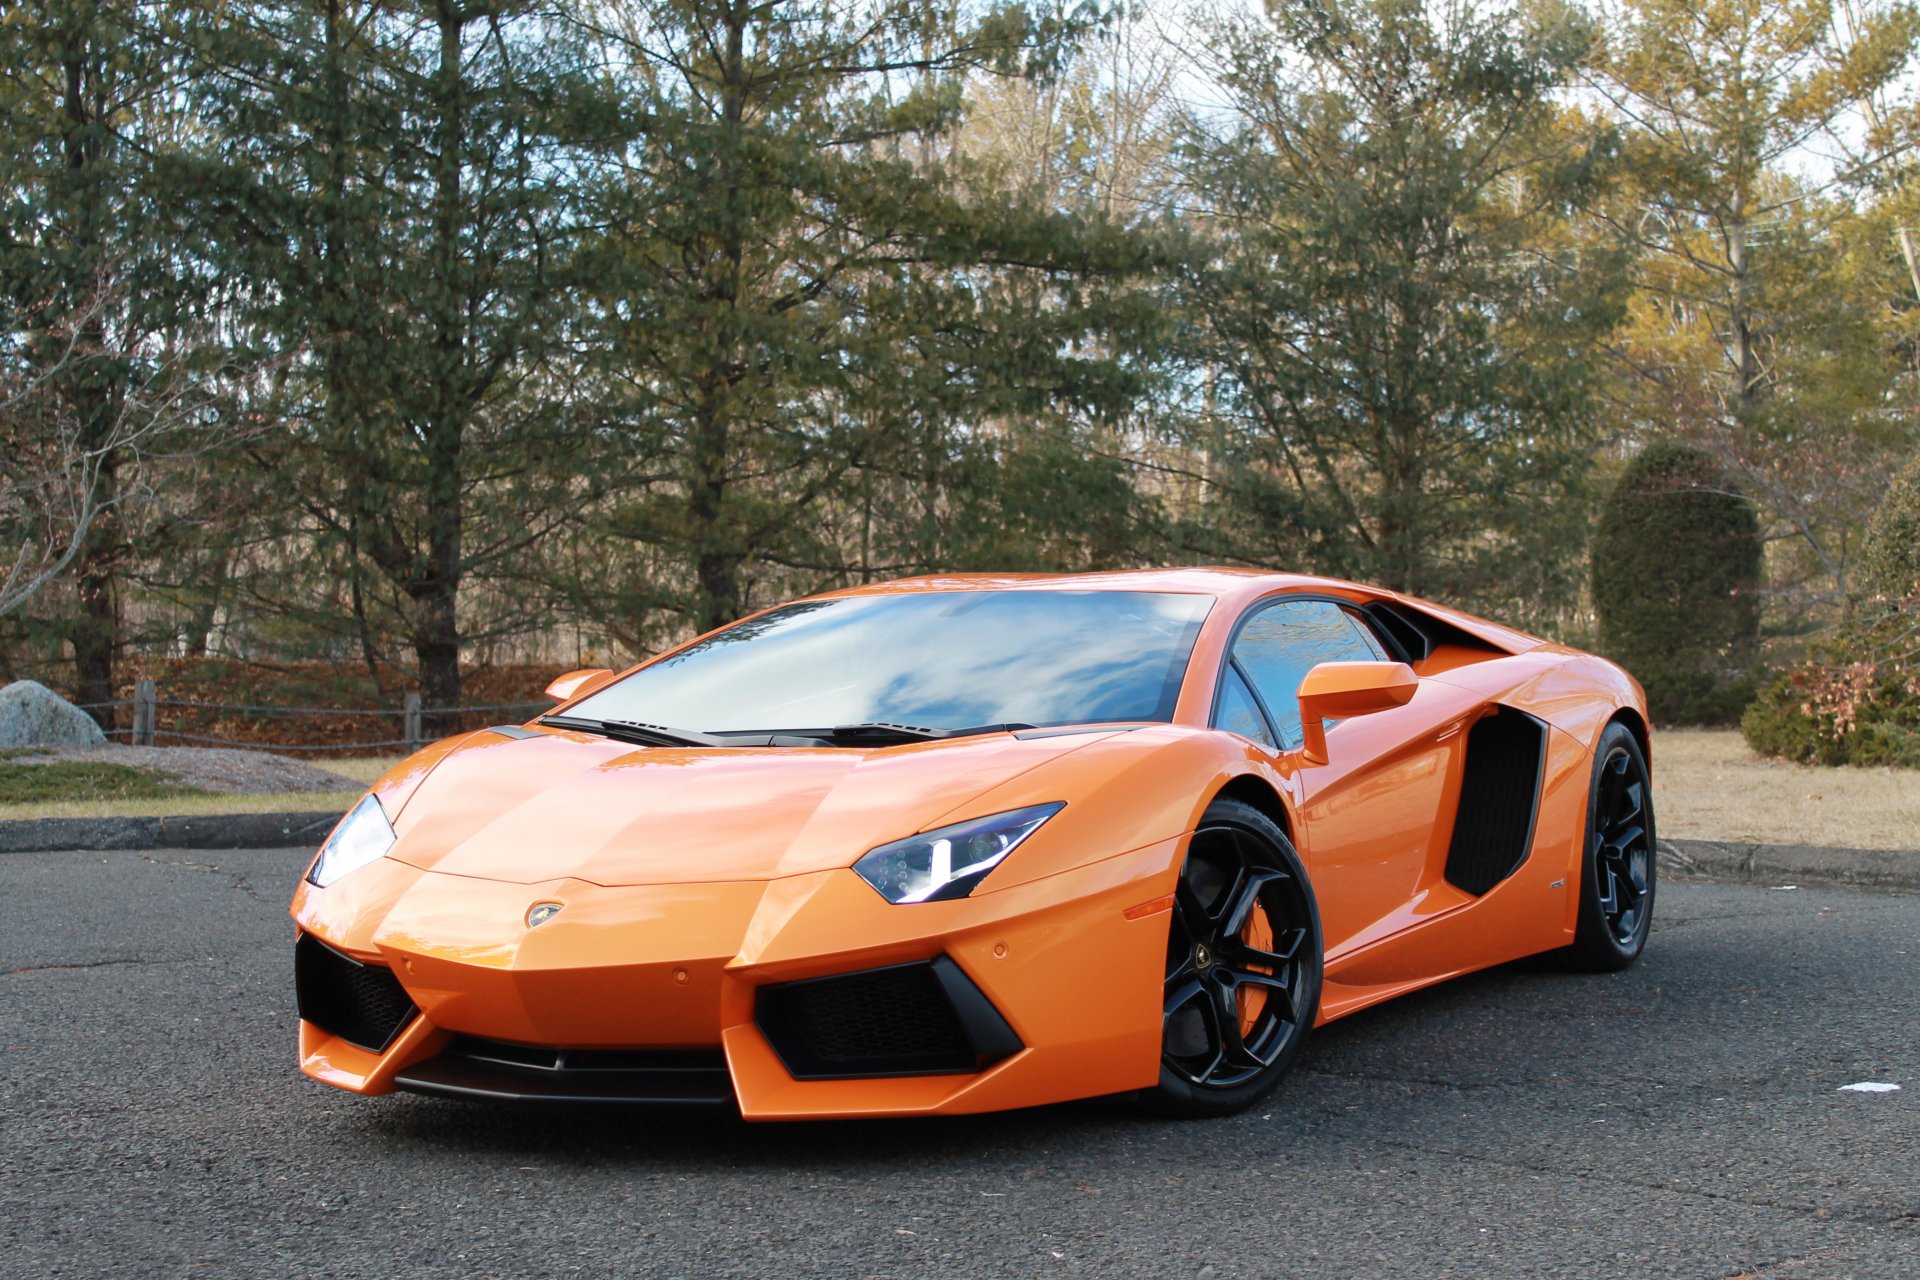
[[1499, 798], [363, 1004], [908, 1019]]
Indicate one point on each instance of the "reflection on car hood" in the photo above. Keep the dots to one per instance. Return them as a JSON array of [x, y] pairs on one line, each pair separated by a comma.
[[571, 805]]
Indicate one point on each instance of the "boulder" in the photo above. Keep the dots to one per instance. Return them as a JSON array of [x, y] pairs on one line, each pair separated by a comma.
[[32, 715]]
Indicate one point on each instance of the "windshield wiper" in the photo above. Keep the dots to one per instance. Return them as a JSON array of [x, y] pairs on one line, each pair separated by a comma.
[[871, 733], [646, 735], [886, 731]]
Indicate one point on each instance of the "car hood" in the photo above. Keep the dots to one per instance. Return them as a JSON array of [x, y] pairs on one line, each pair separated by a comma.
[[554, 805]]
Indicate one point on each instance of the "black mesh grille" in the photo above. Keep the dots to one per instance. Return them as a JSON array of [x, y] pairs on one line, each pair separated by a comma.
[[363, 1004], [900, 1020], [1499, 793]]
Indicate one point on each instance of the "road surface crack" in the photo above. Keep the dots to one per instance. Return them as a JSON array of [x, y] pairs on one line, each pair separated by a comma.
[[1431, 1082], [234, 879], [96, 964]]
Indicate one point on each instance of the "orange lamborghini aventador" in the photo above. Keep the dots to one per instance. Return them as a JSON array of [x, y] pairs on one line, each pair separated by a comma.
[[955, 844]]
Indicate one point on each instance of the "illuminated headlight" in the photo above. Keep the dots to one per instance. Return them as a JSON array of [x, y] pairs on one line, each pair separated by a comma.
[[949, 862], [363, 836]]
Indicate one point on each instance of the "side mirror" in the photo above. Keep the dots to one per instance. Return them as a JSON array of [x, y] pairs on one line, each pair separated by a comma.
[[1339, 690], [575, 683]]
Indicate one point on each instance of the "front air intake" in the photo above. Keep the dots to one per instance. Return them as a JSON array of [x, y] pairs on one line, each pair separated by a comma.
[[363, 1004], [909, 1019]]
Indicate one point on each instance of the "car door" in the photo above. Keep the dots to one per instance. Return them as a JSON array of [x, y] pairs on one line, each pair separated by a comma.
[[1371, 814]]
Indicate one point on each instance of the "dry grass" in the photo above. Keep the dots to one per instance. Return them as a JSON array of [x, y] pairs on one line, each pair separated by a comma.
[[186, 806], [1708, 785], [361, 769]]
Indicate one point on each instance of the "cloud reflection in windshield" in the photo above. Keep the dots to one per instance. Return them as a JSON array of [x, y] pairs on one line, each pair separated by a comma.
[[943, 660]]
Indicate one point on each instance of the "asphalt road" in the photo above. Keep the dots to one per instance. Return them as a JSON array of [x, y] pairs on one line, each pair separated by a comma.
[[1680, 1119]]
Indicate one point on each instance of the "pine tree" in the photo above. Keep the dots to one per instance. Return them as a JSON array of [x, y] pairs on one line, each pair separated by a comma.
[[394, 178], [1397, 326], [827, 348]]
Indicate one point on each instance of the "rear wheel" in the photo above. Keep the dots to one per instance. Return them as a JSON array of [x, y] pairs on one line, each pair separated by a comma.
[[1617, 874], [1243, 965]]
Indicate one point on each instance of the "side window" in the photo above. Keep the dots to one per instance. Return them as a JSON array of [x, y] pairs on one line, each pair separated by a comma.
[[1284, 641], [1239, 713]]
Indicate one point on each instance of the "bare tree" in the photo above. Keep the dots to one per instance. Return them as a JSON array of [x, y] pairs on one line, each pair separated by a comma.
[[53, 467]]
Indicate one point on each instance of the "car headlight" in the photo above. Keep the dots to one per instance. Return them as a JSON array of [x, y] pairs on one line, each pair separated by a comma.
[[950, 861], [363, 836]]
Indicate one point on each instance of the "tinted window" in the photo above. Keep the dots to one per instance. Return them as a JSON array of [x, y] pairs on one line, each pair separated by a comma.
[[1238, 711], [1284, 641], [937, 659]]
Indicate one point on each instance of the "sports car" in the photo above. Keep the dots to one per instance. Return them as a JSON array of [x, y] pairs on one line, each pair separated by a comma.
[[957, 844]]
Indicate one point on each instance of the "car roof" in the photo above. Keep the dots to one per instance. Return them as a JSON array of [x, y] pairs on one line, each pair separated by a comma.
[[1233, 587], [1211, 581]]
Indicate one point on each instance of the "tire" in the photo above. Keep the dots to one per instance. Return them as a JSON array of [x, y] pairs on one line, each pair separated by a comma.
[[1244, 963], [1618, 869]]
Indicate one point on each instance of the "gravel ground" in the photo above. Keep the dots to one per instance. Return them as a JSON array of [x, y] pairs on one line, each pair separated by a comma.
[[209, 768]]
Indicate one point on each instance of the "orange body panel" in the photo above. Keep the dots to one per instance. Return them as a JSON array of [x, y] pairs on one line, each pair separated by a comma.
[[689, 878]]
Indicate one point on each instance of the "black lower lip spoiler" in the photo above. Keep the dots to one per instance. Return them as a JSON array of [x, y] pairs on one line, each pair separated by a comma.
[[479, 1071]]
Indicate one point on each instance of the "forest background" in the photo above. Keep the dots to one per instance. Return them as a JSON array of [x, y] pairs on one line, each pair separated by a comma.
[[401, 341]]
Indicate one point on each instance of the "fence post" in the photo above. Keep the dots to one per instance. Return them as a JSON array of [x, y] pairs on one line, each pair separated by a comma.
[[415, 739], [143, 713]]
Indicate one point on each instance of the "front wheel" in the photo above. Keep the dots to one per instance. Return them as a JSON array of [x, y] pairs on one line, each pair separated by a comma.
[[1617, 873], [1243, 965]]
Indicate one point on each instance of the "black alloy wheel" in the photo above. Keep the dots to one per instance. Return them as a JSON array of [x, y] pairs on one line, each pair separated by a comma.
[[1243, 965], [1618, 873]]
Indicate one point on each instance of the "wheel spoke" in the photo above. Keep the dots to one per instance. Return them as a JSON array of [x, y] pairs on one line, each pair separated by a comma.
[[1246, 897], [1191, 914], [1609, 893], [1183, 992], [1629, 802], [1279, 990], [1254, 955], [1193, 1030], [1226, 1013], [1218, 909], [1284, 950], [1621, 841]]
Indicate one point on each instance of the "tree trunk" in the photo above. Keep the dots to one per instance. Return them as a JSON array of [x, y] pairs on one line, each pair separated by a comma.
[[95, 633], [436, 638], [716, 561], [716, 568], [1746, 381]]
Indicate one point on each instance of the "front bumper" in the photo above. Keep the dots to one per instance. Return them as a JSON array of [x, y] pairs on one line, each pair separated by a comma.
[[684, 993]]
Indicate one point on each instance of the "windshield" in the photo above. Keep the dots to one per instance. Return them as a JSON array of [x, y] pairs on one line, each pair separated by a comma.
[[940, 660]]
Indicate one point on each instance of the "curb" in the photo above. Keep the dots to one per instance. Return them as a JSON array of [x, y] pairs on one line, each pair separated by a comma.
[[1788, 864], [208, 831]]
